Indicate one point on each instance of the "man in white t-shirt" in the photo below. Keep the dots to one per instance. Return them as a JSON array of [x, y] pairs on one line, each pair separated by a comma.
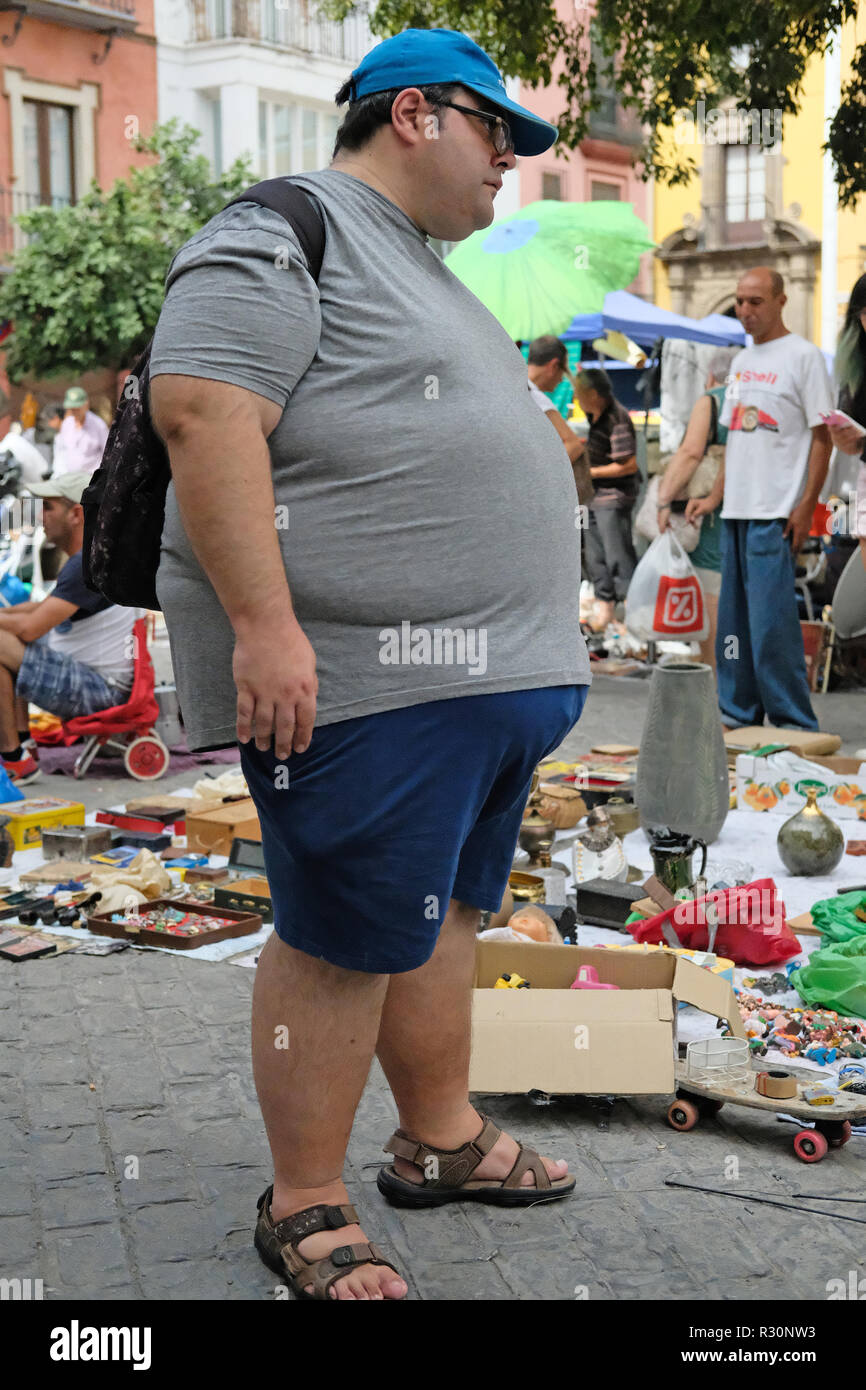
[[776, 459], [70, 653], [548, 364]]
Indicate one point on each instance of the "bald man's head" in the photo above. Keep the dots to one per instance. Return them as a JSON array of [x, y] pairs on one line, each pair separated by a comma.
[[769, 279], [760, 302]]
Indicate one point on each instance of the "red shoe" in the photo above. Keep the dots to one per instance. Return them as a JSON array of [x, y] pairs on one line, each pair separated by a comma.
[[23, 770]]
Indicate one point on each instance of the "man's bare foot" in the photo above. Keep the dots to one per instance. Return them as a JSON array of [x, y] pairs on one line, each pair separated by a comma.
[[367, 1281], [497, 1164]]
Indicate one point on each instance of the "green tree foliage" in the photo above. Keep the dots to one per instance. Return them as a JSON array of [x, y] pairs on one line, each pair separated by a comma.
[[668, 55], [85, 291]]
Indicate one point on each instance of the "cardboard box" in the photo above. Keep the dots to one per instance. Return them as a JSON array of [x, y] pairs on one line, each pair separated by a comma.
[[212, 832], [585, 1042], [27, 818], [246, 895], [803, 741], [775, 783]]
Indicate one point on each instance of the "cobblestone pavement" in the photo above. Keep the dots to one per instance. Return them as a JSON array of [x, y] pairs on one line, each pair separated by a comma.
[[139, 1063]]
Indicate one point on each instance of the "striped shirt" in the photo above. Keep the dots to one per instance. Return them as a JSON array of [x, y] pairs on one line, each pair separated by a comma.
[[611, 440]]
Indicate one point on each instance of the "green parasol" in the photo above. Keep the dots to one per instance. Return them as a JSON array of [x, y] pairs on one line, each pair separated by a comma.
[[538, 268]]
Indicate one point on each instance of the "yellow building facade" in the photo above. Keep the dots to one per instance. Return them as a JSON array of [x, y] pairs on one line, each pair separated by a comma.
[[758, 199]]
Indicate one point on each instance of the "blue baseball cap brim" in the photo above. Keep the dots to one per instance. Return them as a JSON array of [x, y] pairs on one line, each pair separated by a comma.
[[422, 57]]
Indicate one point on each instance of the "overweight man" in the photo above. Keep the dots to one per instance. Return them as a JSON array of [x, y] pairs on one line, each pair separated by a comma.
[[370, 573]]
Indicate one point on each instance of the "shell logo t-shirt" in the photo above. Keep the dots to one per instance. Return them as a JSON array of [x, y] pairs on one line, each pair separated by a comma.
[[775, 397]]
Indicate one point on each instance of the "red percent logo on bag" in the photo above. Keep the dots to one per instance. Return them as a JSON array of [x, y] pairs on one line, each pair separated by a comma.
[[679, 605]]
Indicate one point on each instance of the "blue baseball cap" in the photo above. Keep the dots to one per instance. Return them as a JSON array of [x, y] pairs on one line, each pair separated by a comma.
[[421, 57]]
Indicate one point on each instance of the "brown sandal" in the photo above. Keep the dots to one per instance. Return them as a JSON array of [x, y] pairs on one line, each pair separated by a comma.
[[448, 1174], [277, 1245]]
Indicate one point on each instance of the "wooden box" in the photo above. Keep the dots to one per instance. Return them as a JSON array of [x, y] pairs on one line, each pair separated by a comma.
[[245, 923]]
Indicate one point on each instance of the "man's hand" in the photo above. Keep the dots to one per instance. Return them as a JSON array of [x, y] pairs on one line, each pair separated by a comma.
[[849, 440], [699, 506], [274, 669], [799, 524]]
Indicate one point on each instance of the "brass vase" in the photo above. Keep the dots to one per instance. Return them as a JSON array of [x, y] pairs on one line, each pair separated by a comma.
[[536, 834], [810, 843]]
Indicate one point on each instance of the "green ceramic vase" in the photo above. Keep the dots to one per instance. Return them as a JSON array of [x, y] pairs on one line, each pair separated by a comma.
[[810, 843]]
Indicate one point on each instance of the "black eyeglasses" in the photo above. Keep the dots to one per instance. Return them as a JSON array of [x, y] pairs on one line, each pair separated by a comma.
[[498, 129]]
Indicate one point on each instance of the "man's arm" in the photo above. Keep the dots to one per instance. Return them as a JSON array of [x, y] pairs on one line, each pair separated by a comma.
[[615, 470], [216, 435], [799, 522], [574, 445], [38, 619], [26, 607]]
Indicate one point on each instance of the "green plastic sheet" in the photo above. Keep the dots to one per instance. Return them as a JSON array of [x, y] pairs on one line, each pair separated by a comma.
[[835, 976], [835, 918]]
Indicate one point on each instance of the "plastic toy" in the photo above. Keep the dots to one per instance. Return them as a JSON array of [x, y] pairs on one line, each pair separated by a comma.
[[511, 982], [587, 978]]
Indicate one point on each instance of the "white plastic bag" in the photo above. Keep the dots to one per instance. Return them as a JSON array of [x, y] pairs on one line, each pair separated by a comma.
[[646, 522], [665, 601]]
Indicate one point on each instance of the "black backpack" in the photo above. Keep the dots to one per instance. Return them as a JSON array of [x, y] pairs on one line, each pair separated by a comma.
[[124, 502]]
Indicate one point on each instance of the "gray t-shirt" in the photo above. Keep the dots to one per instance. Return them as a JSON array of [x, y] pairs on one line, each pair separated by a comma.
[[425, 508]]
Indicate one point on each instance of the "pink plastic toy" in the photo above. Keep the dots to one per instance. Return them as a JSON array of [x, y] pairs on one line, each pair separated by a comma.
[[587, 978]]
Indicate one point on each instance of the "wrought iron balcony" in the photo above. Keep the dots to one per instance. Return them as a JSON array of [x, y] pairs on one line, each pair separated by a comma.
[[291, 24]]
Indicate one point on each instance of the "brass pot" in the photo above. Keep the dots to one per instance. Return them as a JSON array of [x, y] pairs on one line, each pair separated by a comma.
[[526, 888], [564, 806], [536, 833]]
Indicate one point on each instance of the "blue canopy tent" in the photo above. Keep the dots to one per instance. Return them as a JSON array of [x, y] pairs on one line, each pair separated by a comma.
[[645, 324]]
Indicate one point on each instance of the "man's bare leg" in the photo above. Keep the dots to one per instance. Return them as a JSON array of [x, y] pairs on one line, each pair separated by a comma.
[[11, 652], [22, 714], [314, 1033], [424, 1042]]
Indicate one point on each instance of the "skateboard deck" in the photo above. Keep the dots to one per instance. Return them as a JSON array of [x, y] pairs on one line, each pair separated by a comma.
[[742, 1092]]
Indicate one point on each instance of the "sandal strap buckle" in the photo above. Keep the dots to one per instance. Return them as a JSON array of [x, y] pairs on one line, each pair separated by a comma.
[[293, 1229]]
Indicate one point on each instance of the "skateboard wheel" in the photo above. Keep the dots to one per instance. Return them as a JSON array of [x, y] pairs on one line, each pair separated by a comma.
[[810, 1145], [683, 1114], [710, 1107], [841, 1137]]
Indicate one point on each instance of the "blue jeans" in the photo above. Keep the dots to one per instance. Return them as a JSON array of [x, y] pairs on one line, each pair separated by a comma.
[[759, 643]]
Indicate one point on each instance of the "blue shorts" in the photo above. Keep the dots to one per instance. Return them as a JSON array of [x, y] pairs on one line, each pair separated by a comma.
[[63, 686], [369, 833]]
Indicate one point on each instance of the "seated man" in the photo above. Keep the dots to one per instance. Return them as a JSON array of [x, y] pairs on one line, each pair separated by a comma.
[[72, 653]]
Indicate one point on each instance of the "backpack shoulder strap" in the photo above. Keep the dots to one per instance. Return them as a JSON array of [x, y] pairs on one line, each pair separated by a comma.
[[298, 209]]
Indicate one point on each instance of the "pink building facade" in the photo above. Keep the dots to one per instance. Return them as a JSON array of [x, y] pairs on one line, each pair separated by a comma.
[[601, 168], [77, 83]]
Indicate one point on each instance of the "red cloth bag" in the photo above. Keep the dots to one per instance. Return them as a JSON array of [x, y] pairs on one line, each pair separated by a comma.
[[752, 927]]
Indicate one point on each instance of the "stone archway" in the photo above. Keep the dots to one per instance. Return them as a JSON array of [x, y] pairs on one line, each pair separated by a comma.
[[702, 279]]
